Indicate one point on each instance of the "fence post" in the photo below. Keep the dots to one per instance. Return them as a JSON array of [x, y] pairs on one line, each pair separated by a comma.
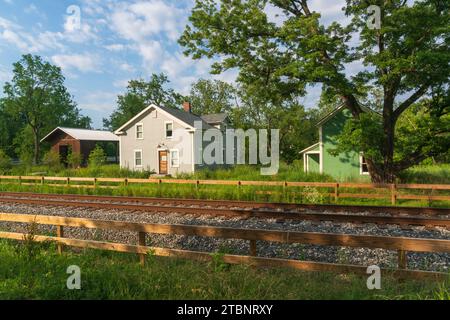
[[393, 194], [253, 248], [20, 180], [125, 181], [402, 261], [95, 183], [42, 180], [159, 187], [141, 242], [68, 181], [336, 192], [60, 234], [430, 199], [239, 190]]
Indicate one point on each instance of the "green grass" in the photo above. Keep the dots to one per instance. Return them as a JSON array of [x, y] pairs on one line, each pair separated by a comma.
[[108, 275], [105, 171], [292, 172], [427, 174]]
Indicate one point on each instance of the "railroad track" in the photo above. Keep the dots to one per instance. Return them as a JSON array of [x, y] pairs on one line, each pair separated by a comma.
[[402, 216]]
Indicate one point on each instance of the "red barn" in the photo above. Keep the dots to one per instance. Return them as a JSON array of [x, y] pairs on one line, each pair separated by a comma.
[[81, 141]]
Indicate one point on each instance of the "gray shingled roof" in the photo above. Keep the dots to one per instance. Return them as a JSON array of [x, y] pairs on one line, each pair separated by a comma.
[[214, 118], [186, 117]]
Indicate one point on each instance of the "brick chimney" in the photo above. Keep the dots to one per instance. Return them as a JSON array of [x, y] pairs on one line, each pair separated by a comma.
[[187, 107]]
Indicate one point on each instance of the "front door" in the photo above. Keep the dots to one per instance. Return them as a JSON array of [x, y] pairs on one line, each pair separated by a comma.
[[162, 162]]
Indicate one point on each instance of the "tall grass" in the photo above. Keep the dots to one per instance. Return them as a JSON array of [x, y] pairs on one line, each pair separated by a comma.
[[427, 174], [109, 275], [104, 171], [286, 172]]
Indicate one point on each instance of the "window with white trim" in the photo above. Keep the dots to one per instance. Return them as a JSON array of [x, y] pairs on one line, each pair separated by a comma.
[[139, 131], [363, 165], [138, 158], [169, 129], [174, 158]]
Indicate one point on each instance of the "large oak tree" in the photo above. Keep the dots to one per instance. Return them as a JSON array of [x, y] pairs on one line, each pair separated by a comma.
[[37, 101], [407, 60]]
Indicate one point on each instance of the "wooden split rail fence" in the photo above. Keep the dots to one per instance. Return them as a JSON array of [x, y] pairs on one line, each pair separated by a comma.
[[400, 244], [393, 192]]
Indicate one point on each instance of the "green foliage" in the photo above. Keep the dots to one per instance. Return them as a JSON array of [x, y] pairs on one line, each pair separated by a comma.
[[217, 262], [277, 61], [52, 160], [74, 159], [313, 195], [5, 162], [23, 143], [97, 157], [36, 101], [252, 107], [140, 94], [212, 96], [364, 134], [29, 248]]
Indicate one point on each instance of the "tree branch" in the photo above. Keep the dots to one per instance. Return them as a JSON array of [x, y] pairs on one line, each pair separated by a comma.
[[413, 98]]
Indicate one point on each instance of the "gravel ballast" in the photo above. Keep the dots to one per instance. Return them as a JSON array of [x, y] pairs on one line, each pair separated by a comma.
[[358, 256]]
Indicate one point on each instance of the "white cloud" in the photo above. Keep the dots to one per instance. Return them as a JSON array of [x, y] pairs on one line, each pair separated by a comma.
[[151, 52], [33, 10], [141, 20], [14, 38], [99, 101], [82, 62], [126, 67], [115, 47], [27, 42], [121, 83]]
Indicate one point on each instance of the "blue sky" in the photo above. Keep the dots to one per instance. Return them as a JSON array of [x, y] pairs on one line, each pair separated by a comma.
[[115, 41]]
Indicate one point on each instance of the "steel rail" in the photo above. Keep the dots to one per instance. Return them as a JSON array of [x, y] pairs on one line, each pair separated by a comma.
[[392, 210]]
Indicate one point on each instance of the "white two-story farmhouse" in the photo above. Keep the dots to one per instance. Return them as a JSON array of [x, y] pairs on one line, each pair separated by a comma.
[[162, 139]]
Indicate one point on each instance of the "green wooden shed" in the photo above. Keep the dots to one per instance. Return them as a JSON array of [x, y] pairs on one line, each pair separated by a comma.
[[344, 166]]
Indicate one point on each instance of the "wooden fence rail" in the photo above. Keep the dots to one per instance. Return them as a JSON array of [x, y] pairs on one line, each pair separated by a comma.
[[400, 244], [393, 192]]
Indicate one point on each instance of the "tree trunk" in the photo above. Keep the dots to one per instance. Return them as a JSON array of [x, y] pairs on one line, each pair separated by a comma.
[[385, 172], [36, 146], [381, 174]]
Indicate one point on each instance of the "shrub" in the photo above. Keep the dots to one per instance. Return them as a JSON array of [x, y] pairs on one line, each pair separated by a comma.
[[52, 160], [74, 159], [97, 157], [26, 158], [5, 162]]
